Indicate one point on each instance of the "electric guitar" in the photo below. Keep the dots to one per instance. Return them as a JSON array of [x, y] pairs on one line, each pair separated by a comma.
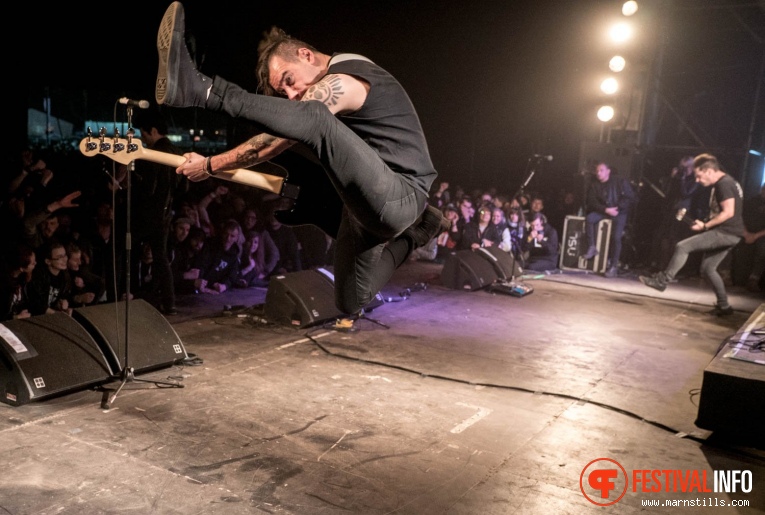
[[681, 216], [318, 205]]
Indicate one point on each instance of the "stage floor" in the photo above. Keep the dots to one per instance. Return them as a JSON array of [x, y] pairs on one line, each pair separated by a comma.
[[448, 402]]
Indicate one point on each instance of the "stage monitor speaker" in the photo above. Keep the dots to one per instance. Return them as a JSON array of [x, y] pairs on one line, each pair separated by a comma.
[[48, 355], [306, 298], [302, 299], [504, 263], [153, 342], [732, 398], [468, 270]]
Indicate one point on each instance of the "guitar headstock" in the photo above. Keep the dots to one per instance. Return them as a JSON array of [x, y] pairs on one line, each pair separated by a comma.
[[680, 215], [118, 149]]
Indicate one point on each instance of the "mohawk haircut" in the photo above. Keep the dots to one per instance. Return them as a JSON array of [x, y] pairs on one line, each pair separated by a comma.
[[276, 42]]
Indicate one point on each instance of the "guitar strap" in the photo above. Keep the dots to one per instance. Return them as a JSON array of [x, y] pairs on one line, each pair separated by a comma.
[[714, 207], [339, 58]]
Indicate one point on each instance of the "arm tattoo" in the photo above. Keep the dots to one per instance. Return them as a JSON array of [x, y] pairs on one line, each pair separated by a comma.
[[328, 90], [249, 153]]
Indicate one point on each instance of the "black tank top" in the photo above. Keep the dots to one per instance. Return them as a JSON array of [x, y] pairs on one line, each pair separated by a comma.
[[387, 121]]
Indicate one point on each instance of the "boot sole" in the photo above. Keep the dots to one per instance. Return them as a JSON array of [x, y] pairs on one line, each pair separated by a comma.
[[719, 312], [164, 45]]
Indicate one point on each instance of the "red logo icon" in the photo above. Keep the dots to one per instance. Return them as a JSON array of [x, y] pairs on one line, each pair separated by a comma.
[[603, 481]]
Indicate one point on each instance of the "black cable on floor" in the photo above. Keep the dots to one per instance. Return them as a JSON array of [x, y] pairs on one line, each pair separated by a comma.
[[538, 392]]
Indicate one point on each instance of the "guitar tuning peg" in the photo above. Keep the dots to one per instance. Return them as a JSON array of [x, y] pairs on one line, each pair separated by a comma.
[[116, 133]]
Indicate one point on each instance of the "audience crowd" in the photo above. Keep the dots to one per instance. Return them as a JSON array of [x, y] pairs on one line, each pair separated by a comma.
[[64, 220]]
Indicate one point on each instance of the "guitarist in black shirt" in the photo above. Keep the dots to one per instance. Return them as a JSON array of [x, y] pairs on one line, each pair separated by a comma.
[[716, 236]]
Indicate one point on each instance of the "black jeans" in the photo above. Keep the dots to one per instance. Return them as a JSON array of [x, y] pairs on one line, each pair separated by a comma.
[[715, 244], [379, 204], [618, 222]]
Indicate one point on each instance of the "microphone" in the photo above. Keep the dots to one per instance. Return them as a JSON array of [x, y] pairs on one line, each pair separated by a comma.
[[544, 157], [143, 104]]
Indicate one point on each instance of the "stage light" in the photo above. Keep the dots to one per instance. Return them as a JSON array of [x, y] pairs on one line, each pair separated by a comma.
[[617, 63], [620, 32], [605, 113], [629, 8], [609, 86]]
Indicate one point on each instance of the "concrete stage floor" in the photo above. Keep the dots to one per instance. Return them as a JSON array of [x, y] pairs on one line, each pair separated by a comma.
[[449, 402]]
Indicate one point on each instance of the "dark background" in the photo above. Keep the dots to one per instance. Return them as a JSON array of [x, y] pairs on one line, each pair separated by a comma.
[[493, 82]]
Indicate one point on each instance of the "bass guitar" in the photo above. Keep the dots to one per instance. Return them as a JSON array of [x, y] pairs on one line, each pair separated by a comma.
[[316, 204]]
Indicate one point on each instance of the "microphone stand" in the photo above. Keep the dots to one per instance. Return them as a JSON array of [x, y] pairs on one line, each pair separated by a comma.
[[127, 374], [529, 177], [521, 190]]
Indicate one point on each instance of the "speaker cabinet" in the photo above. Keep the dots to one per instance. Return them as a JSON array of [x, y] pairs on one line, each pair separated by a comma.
[[575, 245], [306, 298], [48, 355], [732, 398], [504, 263], [153, 343], [468, 270], [301, 298]]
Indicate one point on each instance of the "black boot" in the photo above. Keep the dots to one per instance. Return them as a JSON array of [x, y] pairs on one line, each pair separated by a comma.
[[719, 311], [591, 253], [427, 227], [179, 84], [657, 281]]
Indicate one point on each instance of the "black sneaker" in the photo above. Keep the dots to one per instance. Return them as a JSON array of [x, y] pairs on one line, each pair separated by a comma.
[[611, 273], [591, 253], [721, 312], [179, 84], [428, 226], [656, 281]]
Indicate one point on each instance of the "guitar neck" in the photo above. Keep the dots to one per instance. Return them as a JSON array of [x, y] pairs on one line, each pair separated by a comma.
[[265, 176], [258, 178]]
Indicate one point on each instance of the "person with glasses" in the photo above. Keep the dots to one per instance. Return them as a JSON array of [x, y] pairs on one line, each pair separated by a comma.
[[480, 232], [51, 286]]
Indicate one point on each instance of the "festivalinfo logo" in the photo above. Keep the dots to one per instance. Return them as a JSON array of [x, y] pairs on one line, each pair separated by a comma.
[[604, 482]]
